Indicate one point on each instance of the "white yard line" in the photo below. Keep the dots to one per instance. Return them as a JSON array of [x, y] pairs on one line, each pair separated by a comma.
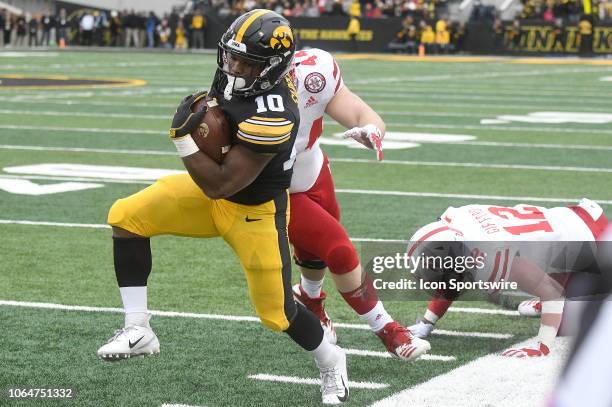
[[520, 129], [348, 191], [484, 311], [81, 129], [533, 145], [60, 224], [108, 65], [29, 99], [341, 160], [178, 405], [314, 382], [220, 317], [49, 100], [491, 380], [478, 75], [387, 355], [466, 196], [84, 114], [449, 144], [477, 165], [87, 150], [443, 332]]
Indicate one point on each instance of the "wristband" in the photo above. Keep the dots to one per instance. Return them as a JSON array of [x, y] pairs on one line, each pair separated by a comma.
[[185, 146]]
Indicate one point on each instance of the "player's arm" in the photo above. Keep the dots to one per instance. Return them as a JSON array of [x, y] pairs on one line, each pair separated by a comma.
[[240, 167], [365, 125]]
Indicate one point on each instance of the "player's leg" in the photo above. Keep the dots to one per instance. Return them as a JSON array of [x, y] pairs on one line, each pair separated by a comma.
[[173, 205], [315, 232], [309, 292], [263, 250]]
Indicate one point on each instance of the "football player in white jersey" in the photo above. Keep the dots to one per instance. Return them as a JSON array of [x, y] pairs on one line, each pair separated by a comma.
[[319, 240], [503, 230]]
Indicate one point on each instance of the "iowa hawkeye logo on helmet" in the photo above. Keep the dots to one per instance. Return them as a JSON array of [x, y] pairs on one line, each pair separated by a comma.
[[282, 37], [261, 38]]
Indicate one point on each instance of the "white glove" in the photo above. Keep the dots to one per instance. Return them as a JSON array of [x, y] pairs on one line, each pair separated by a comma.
[[536, 349], [368, 135]]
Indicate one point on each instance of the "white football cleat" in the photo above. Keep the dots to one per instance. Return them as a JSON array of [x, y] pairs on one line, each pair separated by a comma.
[[421, 329], [315, 305], [536, 349], [530, 308], [334, 381], [130, 341]]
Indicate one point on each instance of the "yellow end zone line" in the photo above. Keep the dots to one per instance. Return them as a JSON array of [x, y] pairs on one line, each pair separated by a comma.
[[125, 82], [473, 59]]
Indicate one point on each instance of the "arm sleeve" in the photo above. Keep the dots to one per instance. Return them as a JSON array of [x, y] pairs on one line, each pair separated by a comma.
[[267, 134]]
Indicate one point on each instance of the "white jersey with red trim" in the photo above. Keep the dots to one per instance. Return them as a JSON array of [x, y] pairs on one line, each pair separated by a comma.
[[527, 223], [318, 80], [492, 229]]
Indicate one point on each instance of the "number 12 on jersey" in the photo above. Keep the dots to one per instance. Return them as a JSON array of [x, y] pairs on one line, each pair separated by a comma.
[[531, 212]]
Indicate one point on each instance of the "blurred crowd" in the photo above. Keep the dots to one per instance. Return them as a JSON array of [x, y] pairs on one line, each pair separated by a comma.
[[184, 30], [568, 10], [93, 27], [424, 28], [426, 37], [317, 8]]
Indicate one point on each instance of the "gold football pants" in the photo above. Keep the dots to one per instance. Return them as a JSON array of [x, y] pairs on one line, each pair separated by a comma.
[[175, 205]]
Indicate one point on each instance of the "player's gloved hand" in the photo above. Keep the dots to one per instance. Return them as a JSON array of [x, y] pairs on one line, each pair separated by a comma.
[[185, 121], [536, 349], [368, 135]]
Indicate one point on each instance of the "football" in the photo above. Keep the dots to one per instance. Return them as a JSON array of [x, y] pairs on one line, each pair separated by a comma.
[[213, 134]]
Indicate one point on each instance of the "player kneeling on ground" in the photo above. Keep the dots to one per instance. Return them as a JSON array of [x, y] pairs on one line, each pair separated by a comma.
[[499, 231]]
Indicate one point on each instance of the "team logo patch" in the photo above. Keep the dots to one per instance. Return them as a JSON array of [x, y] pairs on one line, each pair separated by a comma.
[[203, 130], [282, 38], [314, 82], [36, 82]]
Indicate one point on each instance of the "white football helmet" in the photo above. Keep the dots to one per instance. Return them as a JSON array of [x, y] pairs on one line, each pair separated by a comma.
[[438, 231], [430, 247]]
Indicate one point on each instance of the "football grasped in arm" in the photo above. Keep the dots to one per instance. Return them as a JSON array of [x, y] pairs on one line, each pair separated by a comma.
[[366, 126], [240, 167]]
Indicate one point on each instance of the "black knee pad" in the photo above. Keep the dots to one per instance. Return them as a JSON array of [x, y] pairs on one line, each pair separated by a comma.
[[310, 264]]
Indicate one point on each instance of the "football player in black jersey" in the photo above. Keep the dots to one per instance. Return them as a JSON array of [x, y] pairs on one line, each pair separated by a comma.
[[244, 200]]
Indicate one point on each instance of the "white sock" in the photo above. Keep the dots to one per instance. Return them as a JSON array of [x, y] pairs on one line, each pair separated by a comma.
[[326, 354], [135, 305], [431, 317], [312, 287], [377, 317]]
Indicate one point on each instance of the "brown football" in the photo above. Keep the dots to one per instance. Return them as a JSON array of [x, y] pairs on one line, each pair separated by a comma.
[[213, 134]]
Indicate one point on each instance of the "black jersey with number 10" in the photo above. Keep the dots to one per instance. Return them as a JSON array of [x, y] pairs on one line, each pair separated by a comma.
[[267, 124]]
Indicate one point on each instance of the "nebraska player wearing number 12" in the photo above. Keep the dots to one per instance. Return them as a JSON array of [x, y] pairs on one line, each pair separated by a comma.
[[584, 222], [315, 231]]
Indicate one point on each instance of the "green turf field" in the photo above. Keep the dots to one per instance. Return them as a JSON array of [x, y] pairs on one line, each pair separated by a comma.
[[207, 362]]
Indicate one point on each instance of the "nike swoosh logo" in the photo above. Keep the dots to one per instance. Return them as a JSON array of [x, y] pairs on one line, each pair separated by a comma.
[[250, 219], [132, 344], [345, 397]]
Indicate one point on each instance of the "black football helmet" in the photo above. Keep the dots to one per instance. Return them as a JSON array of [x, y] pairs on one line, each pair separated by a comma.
[[263, 39]]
